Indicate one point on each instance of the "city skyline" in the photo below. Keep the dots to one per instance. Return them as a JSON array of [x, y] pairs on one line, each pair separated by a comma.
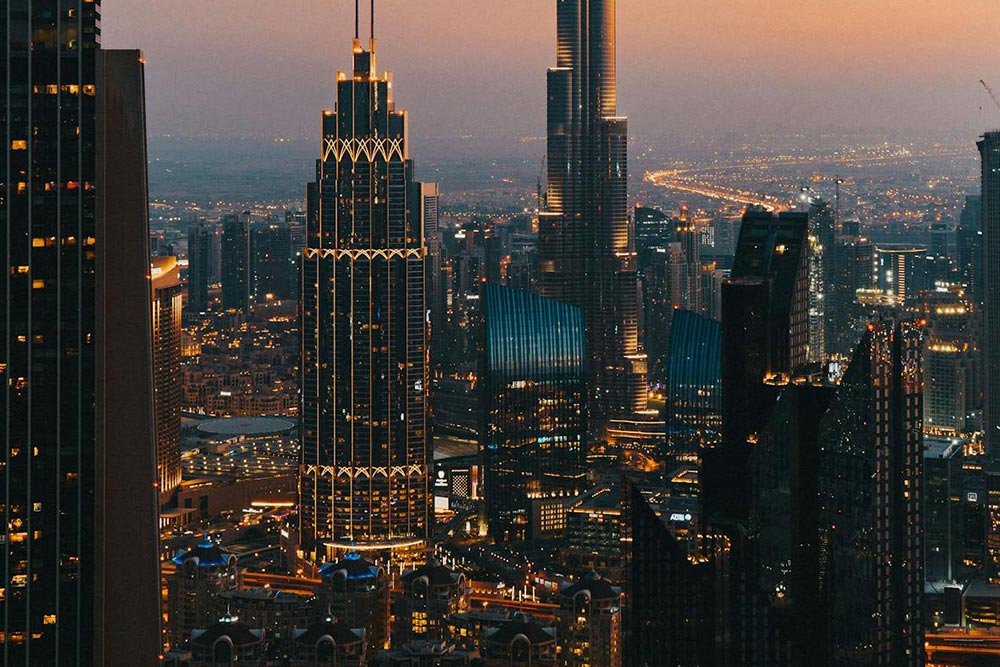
[[717, 66]]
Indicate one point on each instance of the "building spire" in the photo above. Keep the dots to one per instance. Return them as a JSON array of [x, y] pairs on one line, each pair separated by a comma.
[[357, 25], [372, 34]]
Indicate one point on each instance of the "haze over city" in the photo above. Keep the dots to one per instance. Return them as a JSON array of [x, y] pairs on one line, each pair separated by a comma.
[[234, 68]]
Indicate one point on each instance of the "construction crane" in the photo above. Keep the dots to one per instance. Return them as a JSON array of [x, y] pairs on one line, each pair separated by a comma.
[[992, 94]]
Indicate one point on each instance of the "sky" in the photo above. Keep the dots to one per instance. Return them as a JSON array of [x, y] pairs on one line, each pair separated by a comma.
[[265, 68]]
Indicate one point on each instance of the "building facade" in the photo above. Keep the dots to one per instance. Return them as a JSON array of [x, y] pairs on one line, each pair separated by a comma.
[[364, 471], [586, 256], [533, 397], [167, 381], [989, 150], [75, 254], [870, 493]]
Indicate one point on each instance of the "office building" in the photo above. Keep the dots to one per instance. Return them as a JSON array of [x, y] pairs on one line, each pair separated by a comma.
[[663, 281], [943, 510], [673, 604], [654, 229], [821, 225], [586, 257], [968, 241], [533, 405], [427, 597], [356, 591], [989, 150], [589, 623], [329, 642], [693, 388], [75, 375], [952, 378], [871, 503], [686, 232], [851, 266], [364, 334], [271, 262], [167, 384], [765, 338], [235, 263], [203, 242], [902, 270]]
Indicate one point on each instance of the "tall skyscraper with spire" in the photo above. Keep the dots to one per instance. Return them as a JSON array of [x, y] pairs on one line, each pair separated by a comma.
[[586, 255], [364, 468]]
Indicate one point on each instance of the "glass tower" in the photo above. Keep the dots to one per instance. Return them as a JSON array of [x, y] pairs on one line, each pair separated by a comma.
[[989, 149], [47, 351], [364, 471], [586, 255], [532, 377]]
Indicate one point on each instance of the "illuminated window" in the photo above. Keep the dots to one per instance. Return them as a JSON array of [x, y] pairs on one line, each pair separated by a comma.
[[38, 242], [49, 619], [37, 284], [19, 145], [22, 187]]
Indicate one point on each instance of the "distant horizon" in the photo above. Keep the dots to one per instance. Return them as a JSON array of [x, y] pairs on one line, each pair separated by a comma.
[[237, 69]]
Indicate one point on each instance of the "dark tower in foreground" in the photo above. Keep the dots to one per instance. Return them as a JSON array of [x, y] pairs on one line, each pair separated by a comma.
[[989, 149], [870, 494], [76, 491], [364, 470], [586, 257]]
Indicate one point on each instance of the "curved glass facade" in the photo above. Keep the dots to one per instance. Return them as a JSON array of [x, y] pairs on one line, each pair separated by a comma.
[[533, 397], [694, 378]]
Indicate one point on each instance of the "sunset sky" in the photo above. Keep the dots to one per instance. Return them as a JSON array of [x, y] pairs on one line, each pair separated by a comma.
[[266, 67]]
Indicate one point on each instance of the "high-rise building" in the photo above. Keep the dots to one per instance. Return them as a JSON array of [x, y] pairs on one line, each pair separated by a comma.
[[200, 254], [765, 338], [364, 333], [871, 494], [663, 281], [693, 387], [968, 241], [687, 235], [942, 511], [654, 229], [586, 257], [235, 268], [850, 264], [533, 405], [672, 597], [989, 149], [77, 498], [951, 374], [271, 262], [902, 270], [821, 221], [167, 381], [200, 573]]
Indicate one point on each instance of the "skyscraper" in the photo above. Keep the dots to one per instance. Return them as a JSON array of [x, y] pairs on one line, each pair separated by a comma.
[[989, 150], [271, 262], [765, 338], [870, 493], [364, 469], [236, 278], [200, 247], [586, 257], [75, 253], [167, 384], [533, 403]]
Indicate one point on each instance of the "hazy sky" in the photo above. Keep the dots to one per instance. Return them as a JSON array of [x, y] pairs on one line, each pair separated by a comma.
[[266, 67]]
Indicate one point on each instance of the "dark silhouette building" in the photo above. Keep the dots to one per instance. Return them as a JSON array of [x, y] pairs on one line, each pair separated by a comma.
[[203, 242], [672, 601], [989, 150], [364, 332], [271, 262], [235, 265], [765, 338], [871, 491], [533, 403], [76, 486], [586, 257]]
